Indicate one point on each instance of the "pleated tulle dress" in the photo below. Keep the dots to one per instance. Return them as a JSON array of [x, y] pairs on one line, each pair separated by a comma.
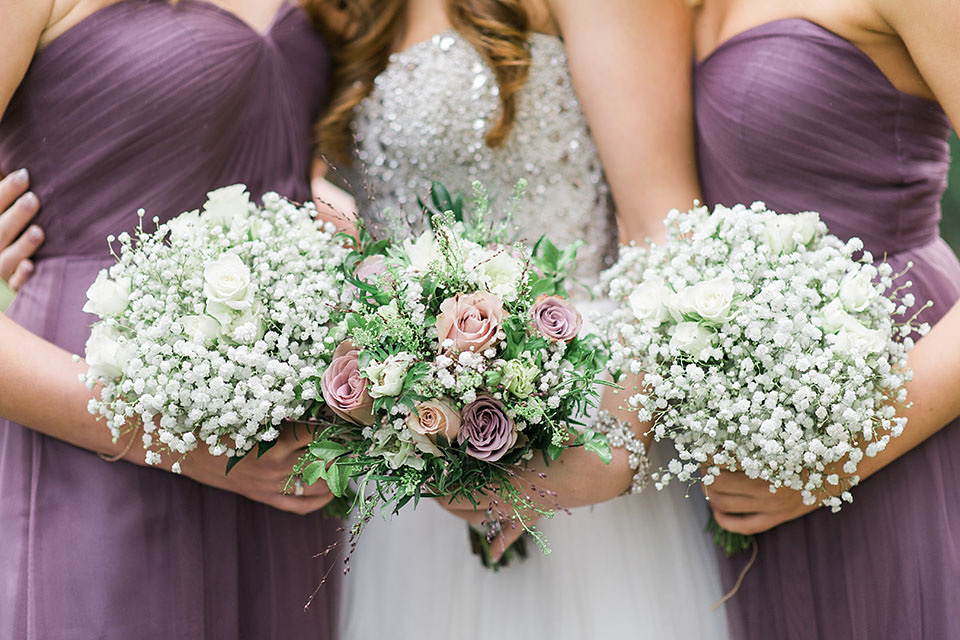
[[150, 104], [794, 115]]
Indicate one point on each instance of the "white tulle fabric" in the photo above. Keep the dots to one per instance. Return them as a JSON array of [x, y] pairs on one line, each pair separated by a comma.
[[636, 567]]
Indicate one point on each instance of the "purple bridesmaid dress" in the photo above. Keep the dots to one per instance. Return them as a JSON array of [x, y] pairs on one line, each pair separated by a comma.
[[149, 104], [792, 114]]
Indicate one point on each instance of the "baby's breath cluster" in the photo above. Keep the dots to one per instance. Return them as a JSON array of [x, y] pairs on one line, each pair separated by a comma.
[[769, 346], [213, 326]]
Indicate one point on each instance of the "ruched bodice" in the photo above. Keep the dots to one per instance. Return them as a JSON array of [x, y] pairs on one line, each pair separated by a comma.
[[791, 114], [794, 115], [151, 104], [197, 99]]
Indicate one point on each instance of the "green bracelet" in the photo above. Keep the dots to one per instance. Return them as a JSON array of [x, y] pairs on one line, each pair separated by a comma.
[[6, 296]]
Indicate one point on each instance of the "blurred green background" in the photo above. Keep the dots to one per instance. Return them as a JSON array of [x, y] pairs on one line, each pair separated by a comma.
[[950, 227]]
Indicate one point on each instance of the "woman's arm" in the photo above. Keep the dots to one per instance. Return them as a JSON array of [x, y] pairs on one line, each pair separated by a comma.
[[39, 382], [631, 63]]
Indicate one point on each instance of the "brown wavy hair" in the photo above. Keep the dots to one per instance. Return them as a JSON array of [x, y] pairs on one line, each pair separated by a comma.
[[498, 29]]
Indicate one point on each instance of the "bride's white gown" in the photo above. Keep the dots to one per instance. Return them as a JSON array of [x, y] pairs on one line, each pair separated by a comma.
[[637, 567]]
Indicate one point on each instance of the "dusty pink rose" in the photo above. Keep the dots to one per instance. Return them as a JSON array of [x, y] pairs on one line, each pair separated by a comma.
[[371, 267], [344, 389], [555, 318], [470, 320], [487, 429], [435, 418]]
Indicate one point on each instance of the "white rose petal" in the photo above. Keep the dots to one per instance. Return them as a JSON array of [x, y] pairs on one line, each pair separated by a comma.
[[387, 377], [106, 352], [691, 338], [226, 205], [857, 290], [422, 251], [202, 329], [107, 297], [648, 301], [227, 282]]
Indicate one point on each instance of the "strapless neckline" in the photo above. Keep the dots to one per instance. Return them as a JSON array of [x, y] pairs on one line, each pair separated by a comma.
[[446, 38], [90, 22], [762, 29]]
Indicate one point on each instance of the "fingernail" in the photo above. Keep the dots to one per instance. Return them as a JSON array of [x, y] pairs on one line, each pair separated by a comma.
[[21, 178], [35, 233], [29, 199]]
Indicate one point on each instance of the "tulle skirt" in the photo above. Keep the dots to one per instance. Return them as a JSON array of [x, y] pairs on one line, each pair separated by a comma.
[[636, 567]]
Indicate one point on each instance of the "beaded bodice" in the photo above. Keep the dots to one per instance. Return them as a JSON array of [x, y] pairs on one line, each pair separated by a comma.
[[426, 119]]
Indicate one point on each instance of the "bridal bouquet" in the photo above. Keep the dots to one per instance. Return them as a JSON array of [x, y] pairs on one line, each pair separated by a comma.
[[767, 348], [463, 357], [213, 327]]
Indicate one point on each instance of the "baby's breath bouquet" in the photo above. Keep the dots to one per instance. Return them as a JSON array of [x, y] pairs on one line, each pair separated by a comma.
[[768, 347], [213, 326], [463, 358]]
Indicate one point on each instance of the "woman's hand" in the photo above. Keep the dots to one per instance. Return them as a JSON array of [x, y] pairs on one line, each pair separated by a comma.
[[262, 478], [17, 207], [577, 478], [744, 505]]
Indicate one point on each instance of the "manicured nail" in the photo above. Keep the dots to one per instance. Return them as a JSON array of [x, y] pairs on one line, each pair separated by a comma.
[[21, 178], [35, 233], [29, 199]]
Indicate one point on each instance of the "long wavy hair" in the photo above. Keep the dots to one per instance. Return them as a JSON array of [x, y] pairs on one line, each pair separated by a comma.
[[498, 29]]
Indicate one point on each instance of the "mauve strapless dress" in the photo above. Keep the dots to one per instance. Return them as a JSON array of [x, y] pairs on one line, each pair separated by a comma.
[[792, 114], [148, 104]]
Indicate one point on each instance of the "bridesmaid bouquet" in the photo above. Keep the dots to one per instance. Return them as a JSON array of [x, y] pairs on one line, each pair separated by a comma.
[[213, 327], [767, 348], [463, 357]]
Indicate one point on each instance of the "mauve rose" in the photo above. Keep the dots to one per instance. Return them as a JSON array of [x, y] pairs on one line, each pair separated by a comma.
[[433, 418], [344, 389], [555, 318], [371, 267], [487, 430], [470, 320]]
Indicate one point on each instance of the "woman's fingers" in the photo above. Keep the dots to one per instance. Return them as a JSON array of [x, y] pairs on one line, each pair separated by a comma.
[[17, 245], [12, 187]]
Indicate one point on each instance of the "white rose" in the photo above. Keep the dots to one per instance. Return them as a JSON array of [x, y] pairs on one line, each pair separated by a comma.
[[833, 316], [857, 290], [421, 252], [107, 297], [778, 234], [805, 225], [227, 282], [247, 327], [853, 338], [648, 301], [502, 272], [712, 299], [226, 205], [202, 329], [386, 378], [691, 338], [107, 352], [185, 225]]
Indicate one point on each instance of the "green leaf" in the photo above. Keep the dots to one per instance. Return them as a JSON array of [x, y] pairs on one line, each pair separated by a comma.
[[313, 471], [327, 450], [543, 286], [337, 478], [554, 451], [596, 443]]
